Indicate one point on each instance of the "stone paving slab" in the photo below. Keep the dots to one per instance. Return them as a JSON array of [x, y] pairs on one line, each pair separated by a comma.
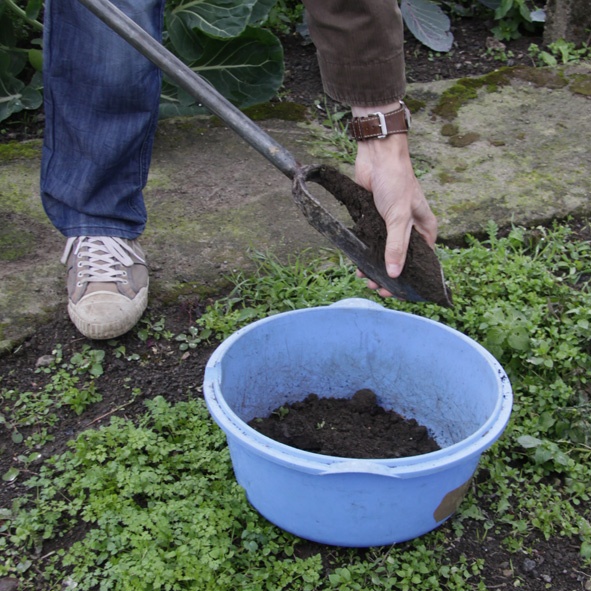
[[513, 153]]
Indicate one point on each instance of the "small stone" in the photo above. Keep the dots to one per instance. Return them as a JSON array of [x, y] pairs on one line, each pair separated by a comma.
[[45, 361], [546, 578], [529, 565], [461, 140], [449, 129], [495, 44], [9, 584]]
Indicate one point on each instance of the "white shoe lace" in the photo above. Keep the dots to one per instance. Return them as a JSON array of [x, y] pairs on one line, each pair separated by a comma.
[[101, 258]]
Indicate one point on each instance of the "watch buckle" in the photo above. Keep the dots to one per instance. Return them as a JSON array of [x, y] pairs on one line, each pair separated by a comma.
[[382, 123], [407, 115]]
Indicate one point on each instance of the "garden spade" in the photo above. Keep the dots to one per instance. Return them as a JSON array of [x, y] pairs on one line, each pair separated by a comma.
[[421, 279]]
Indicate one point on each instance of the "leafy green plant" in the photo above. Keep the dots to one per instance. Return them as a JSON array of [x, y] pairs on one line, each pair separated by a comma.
[[335, 143], [198, 527], [152, 329], [500, 54], [89, 360], [225, 43], [513, 16], [285, 16], [561, 51], [120, 352], [276, 287], [66, 386], [192, 338], [20, 54]]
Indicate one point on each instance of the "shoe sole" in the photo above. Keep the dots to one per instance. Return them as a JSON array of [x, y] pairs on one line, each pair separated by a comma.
[[110, 330]]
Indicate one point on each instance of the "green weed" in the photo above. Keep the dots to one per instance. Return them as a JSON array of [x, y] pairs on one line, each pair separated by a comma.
[[285, 16], [70, 383], [333, 140], [150, 329], [560, 52]]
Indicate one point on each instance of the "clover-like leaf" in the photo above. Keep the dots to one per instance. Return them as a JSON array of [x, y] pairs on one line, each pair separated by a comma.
[[11, 475]]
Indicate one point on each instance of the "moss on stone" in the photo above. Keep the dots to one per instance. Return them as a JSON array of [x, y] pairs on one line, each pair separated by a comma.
[[20, 150], [581, 84], [466, 89], [497, 79], [15, 243], [463, 207], [461, 140], [541, 77], [286, 111], [455, 97], [446, 178], [449, 129], [157, 180], [15, 199], [415, 105]]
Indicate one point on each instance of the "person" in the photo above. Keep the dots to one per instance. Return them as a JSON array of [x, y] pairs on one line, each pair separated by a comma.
[[101, 108]]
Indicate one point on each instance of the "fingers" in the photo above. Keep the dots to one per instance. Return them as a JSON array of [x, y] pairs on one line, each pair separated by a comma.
[[375, 286], [384, 168], [399, 226], [397, 245]]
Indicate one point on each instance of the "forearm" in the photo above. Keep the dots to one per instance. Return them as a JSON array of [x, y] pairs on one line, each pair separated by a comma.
[[360, 49]]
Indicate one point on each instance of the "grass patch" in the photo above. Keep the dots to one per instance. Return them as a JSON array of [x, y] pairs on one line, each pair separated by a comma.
[[158, 502], [20, 150]]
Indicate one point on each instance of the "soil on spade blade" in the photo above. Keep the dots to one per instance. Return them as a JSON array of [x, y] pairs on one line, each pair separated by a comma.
[[356, 427]]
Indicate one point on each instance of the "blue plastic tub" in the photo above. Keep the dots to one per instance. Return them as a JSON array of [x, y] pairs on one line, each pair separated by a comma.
[[417, 367]]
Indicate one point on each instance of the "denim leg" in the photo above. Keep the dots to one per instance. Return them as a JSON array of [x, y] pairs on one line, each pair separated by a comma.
[[101, 109]]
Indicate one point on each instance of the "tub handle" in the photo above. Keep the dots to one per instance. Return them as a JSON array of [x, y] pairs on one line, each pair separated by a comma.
[[357, 303], [361, 467]]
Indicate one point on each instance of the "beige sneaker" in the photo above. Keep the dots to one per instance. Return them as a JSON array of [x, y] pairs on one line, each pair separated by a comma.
[[107, 284]]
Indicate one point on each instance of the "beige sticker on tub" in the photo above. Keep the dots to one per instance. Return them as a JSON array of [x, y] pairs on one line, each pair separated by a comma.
[[451, 501]]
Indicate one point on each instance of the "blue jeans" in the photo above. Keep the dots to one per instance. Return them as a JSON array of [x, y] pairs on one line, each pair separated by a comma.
[[101, 109]]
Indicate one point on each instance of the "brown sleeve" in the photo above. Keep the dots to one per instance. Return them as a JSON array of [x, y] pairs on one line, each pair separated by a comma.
[[360, 49]]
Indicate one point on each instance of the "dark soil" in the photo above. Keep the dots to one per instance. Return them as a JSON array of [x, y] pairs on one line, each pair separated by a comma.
[[161, 369], [356, 427]]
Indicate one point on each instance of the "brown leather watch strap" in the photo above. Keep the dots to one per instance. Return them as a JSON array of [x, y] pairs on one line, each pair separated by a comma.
[[380, 125]]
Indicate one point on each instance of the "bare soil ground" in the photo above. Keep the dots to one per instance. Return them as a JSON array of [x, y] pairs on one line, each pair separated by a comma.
[[163, 370]]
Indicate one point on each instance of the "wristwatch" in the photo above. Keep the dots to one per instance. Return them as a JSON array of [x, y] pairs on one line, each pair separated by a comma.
[[380, 125]]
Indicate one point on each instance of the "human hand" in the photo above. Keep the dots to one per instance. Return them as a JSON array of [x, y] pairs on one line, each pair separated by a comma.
[[383, 167]]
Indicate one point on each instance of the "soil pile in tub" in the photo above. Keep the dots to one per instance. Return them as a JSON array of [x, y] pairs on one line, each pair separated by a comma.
[[355, 427]]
